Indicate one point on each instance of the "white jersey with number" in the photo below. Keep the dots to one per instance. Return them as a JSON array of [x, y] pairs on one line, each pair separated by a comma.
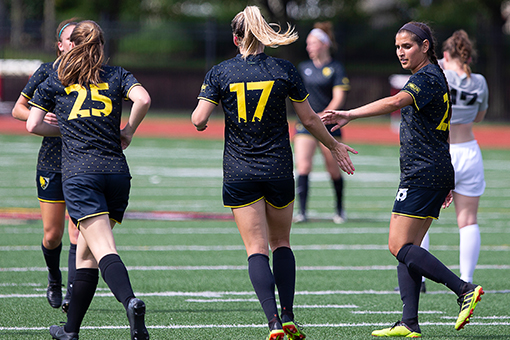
[[469, 96]]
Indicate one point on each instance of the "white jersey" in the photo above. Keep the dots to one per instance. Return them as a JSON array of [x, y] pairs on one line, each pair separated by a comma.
[[469, 96]]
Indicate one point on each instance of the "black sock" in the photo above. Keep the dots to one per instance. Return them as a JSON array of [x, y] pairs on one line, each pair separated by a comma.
[[71, 268], [115, 275], [339, 191], [425, 264], [84, 287], [263, 283], [52, 259], [409, 284], [284, 271], [302, 191]]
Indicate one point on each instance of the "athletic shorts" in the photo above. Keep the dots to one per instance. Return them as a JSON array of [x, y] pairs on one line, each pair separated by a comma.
[[419, 202], [49, 186], [89, 195], [468, 164], [279, 193], [301, 130]]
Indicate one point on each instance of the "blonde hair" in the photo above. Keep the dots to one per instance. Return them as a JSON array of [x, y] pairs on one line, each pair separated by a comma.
[[460, 47], [252, 31], [83, 63]]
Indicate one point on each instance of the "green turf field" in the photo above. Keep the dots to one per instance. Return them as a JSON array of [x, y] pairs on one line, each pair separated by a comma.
[[192, 272]]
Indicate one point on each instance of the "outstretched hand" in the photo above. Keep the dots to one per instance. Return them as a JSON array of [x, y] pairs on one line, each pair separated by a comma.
[[339, 118], [341, 155]]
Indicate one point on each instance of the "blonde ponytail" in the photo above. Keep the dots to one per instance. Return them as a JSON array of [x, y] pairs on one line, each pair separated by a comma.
[[252, 31]]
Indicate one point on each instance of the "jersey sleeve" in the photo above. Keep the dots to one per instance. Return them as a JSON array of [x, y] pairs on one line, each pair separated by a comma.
[[485, 100], [128, 82], [37, 78], [44, 97], [298, 92], [340, 78], [210, 89], [417, 86]]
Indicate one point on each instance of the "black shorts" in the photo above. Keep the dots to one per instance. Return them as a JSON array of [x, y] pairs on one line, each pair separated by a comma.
[[419, 202], [300, 129], [279, 193], [89, 195], [49, 186]]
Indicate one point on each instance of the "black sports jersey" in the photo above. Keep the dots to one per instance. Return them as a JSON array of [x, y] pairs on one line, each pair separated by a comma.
[[424, 148], [253, 92], [49, 158], [319, 82], [89, 121]]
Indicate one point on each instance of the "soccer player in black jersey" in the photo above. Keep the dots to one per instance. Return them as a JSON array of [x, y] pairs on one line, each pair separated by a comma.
[[49, 183], [258, 183], [86, 96], [426, 177]]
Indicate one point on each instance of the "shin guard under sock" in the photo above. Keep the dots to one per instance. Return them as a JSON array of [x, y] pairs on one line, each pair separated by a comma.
[[263, 283], [115, 275], [52, 259], [302, 192], [284, 271], [84, 287], [409, 284], [425, 264], [469, 247], [71, 268]]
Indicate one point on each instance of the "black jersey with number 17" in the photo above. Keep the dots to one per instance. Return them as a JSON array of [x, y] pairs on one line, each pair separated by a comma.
[[89, 120], [253, 94]]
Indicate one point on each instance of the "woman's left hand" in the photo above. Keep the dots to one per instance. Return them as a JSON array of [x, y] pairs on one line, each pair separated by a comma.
[[448, 200]]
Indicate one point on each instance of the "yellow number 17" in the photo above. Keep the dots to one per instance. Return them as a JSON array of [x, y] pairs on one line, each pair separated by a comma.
[[265, 86]]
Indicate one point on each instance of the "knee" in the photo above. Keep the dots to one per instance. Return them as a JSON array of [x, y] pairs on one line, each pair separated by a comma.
[[52, 238]]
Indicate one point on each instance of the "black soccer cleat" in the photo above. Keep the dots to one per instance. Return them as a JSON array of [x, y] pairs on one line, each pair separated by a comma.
[[54, 294], [136, 317], [58, 332]]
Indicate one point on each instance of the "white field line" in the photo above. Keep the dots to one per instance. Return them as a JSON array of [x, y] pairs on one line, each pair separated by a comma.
[[209, 326], [220, 295]]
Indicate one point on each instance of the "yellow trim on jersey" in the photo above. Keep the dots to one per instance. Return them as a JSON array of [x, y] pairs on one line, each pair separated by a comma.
[[279, 208], [299, 101], [26, 96], [343, 87], [127, 95], [414, 99], [40, 107], [207, 100], [48, 201], [413, 216], [244, 205]]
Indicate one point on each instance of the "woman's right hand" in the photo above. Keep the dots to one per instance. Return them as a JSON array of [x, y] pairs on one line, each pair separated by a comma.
[[341, 154], [339, 118]]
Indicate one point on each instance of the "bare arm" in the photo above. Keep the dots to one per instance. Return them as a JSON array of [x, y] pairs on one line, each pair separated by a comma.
[[338, 99], [313, 123], [37, 125], [201, 114], [141, 103], [21, 109], [377, 108]]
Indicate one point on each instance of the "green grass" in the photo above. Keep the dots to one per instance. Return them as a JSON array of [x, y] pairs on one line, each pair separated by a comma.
[[192, 273]]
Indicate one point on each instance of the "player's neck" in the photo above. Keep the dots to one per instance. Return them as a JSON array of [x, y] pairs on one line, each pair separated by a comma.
[[321, 60]]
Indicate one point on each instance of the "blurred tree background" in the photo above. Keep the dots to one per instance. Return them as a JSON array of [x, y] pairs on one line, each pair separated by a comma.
[[181, 39]]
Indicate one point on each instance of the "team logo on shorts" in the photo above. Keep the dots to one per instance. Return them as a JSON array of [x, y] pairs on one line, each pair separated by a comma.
[[401, 194], [44, 182]]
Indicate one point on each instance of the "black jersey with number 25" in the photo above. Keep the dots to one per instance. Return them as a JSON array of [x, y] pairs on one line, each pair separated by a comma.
[[253, 94], [89, 120]]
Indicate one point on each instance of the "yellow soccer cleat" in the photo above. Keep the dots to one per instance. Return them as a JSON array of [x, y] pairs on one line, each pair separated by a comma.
[[399, 329], [276, 334], [467, 303], [292, 331]]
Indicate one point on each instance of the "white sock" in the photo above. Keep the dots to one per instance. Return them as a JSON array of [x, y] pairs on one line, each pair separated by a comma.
[[425, 245], [469, 250]]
